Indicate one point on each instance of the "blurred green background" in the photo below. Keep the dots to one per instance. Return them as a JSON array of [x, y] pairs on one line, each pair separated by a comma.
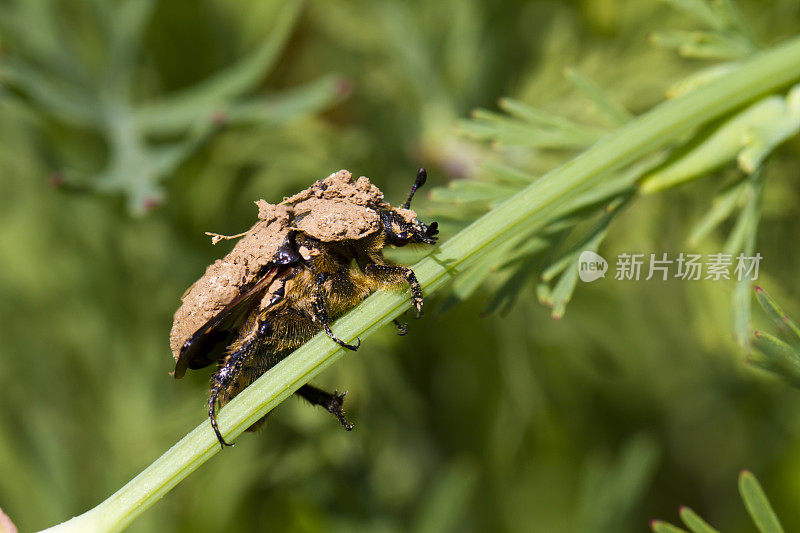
[[127, 129]]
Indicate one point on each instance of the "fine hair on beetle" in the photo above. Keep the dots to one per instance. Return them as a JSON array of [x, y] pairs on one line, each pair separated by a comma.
[[305, 262]]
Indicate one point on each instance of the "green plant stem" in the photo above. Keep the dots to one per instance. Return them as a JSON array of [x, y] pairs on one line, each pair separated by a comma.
[[763, 73]]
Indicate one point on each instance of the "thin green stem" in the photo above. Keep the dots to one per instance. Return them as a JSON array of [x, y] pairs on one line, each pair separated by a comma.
[[763, 73]]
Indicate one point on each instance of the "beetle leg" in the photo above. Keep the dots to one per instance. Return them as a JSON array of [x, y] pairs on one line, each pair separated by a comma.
[[402, 327], [212, 415], [392, 274], [331, 402], [321, 312], [227, 375]]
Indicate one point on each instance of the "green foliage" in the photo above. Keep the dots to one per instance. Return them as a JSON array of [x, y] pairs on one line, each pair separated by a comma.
[[781, 357], [746, 136], [611, 489], [146, 137], [532, 207], [727, 37], [754, 499], [633, 402]]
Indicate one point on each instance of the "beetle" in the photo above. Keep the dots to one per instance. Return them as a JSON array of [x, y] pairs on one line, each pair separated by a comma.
[[305, 262]]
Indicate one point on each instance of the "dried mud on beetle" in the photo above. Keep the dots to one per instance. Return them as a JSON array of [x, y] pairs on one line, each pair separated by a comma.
[[335, 208]]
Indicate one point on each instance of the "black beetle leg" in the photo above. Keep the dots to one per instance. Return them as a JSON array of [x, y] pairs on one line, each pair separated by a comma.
[[321, 313], [402, 327], [331, 402], [227, 374], [212, 415], [396, 273]]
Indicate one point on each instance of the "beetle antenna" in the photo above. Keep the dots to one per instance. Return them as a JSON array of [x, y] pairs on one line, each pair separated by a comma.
[[422, 175]]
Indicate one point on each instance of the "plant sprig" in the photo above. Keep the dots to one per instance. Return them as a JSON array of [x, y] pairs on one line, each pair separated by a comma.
[[779, 355], [552, 251], [755, 500]]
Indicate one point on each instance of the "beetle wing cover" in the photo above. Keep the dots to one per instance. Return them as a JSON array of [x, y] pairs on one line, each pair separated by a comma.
[[208, 343], [226, 278]]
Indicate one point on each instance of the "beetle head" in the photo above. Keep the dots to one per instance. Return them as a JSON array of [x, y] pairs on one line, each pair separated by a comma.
[[401, 229]]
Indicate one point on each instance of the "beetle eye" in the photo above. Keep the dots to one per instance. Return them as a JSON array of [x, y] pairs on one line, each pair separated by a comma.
[[401, 239]]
